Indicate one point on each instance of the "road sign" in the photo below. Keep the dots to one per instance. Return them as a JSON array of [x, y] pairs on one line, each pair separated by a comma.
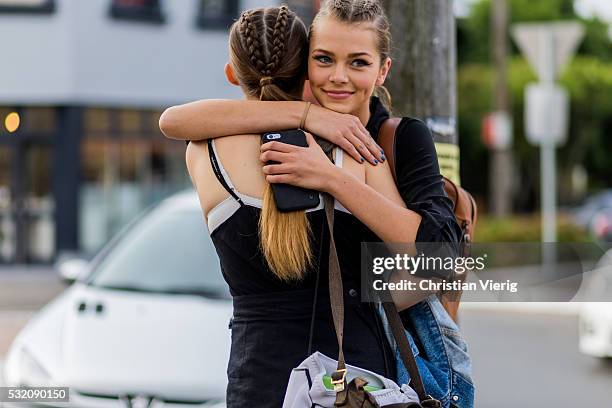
[[497, 130], [546, 114], [548, 46]]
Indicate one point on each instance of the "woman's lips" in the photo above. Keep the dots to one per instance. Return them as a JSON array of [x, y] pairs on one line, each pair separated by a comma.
[[338, 94]]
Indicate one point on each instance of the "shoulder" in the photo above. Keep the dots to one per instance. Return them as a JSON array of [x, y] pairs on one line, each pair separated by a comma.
[[194, 150], [349, 164], [414, 129], [413, 137]]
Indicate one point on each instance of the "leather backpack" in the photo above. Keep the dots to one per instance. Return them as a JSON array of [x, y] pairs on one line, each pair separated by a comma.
[[464, 206]]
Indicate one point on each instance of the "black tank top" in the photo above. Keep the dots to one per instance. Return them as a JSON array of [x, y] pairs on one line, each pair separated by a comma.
[[272, 318], [233, 225]]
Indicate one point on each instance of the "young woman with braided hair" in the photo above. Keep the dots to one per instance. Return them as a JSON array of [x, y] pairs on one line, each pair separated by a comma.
[[270, 259]]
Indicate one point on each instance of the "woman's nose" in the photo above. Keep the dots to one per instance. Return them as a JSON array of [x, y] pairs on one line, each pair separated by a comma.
[[338, 75]]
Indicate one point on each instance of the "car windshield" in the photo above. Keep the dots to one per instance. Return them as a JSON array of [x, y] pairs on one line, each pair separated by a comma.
[[165, 252]]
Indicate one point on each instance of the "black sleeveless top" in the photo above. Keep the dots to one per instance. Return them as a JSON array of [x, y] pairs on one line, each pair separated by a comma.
[[272, 318]]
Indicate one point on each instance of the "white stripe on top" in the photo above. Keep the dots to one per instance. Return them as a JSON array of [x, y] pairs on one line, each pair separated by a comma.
[[226, 208]]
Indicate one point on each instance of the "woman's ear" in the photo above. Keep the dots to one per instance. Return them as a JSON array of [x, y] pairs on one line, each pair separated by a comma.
[[384, 71], [229, 74]]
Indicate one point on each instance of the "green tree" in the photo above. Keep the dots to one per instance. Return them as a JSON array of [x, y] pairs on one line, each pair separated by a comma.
[[588, 79]]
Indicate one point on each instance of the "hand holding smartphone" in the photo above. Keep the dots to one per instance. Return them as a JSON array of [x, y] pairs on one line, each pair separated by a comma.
[[288, 197]]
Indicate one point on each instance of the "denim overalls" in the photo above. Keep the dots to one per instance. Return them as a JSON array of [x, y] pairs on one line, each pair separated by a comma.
[[441, 353]]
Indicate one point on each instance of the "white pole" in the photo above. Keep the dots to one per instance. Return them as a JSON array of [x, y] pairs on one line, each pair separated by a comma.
[[548, 192]]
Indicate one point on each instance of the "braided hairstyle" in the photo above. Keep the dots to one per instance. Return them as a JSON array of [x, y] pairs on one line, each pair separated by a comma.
[[268, 53], [259, 41], [362, 11]]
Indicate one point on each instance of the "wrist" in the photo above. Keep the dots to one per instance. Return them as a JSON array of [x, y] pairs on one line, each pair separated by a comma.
[[337, 178], [312, 113]]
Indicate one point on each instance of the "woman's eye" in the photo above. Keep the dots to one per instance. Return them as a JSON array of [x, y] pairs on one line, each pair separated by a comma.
[[322, 58], [360, 63]]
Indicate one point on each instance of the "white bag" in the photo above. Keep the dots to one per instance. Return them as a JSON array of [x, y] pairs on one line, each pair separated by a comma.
[[306, 388]]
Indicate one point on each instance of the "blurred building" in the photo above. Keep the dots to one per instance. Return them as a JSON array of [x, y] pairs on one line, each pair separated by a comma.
[[82, 85]]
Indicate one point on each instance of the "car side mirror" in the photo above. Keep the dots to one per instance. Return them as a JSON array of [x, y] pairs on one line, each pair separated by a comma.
[[70, 268]]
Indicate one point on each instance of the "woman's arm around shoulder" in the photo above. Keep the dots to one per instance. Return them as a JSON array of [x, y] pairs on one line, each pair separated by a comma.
[[373, 199], [211, 118], [420, 183]]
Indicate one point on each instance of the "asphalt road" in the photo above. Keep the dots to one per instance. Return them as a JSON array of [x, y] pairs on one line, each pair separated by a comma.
[[532, 360], [519, 358]]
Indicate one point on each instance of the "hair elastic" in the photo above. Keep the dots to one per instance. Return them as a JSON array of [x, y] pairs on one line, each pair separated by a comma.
[[267, 80]]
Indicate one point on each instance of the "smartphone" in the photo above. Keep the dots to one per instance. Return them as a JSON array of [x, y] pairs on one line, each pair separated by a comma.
[[287, 197]]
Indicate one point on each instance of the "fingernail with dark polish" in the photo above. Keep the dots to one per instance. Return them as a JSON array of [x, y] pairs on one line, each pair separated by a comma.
[[362, 159], [383, 158], [375, 161]]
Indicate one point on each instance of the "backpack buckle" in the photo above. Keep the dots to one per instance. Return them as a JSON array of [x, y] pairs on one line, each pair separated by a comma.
[[338, 379]]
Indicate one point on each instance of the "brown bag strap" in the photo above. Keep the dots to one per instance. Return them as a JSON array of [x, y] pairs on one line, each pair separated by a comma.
[[386, 140], [399, 334], [336, 297]]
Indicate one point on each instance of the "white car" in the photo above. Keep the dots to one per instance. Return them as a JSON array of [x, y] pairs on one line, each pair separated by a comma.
[[595, 327], [144, 325]]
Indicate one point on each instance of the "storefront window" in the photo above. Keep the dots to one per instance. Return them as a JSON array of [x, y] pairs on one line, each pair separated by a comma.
[[39, 120], [218, 14], [96, 121], [27, 6], [137, 10], [126, 167], [38, 204], [7, 223]]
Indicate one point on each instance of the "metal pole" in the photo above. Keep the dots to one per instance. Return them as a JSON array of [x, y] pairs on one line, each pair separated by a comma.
[[547, 151], [549, 193]]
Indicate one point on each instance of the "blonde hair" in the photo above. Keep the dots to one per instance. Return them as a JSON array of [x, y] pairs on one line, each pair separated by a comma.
[[268, 52], [362, 11]]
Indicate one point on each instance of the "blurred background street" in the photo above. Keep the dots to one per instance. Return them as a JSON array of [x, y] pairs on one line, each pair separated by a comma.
[[519, 357], [521, 114]]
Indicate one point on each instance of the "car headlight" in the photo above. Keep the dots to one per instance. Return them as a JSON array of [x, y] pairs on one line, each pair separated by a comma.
[[31, 372]]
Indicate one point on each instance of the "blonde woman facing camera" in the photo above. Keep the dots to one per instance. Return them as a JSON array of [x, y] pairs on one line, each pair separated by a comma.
[[270, 259]]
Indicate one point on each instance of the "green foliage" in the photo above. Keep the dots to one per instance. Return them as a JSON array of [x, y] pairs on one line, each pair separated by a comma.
[[588, 79], [597, 40], [474, 85], [526, 229], [589, 83], [474, 31]]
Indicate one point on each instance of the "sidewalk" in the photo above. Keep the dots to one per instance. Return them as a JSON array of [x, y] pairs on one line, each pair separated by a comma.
[[28, 287], [23, 291]]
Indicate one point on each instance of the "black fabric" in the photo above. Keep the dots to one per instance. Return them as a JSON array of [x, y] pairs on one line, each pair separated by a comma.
[[419, 181], [270, 331], [270, 328]]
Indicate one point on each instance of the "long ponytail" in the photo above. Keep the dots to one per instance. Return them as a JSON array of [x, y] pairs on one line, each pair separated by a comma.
[[268, 48]]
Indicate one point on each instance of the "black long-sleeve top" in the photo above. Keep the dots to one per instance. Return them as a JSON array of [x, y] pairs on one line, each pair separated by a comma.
[[419, 181]]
